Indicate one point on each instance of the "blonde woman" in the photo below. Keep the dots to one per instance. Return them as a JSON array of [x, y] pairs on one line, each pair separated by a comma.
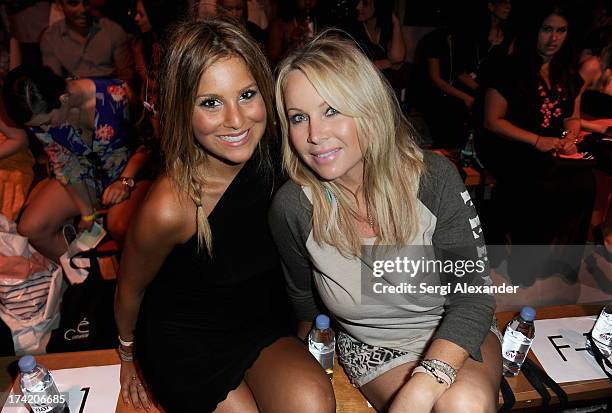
[[197, 302], [358, 177]]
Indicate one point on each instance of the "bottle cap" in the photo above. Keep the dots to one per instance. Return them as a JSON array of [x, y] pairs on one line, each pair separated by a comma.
[[27, 364], [322, 322], [528, 313]]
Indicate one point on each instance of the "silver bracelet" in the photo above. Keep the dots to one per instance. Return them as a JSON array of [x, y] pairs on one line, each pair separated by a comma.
[[125, 355], [443, 367], [439, 376], [125, 343]]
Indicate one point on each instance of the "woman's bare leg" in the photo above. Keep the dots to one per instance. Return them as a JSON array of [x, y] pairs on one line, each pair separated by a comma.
[[119, 215], [286, 378], [381, 391], [44, 216], [239, 400], [475, 390], [477, 386]]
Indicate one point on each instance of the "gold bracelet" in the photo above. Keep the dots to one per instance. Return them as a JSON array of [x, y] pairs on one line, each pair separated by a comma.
[[88, 218]]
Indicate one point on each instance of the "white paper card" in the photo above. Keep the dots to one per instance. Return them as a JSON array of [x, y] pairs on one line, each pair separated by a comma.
[[560, 348], [90, 389]]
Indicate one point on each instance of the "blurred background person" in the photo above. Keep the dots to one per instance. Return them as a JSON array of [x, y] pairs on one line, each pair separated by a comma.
[[296, 24], [531, 115], [238, 9], [206, 9], [84, 127], [379, 34], [82, 45], [488, 39], [444, 101]]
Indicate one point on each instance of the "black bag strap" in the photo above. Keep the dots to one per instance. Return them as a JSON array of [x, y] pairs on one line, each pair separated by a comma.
[[92, 254], [601, 360], [508, 396], [539, 379]]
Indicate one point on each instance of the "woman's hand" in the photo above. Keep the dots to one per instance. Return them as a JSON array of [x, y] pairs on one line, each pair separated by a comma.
[[544, 144], [115, 193], [567, 146], [468, 101], [418, 395], [133, 388]]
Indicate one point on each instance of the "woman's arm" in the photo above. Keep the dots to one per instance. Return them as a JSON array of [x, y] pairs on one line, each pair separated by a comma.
[[12, 140], [467, 315], [118, 192], [573, 123], [433, 66], [156, 228], [160, 224], [494, 120], [396, 48], [590, 126], [289, 223], [422, 391], [467, 80]]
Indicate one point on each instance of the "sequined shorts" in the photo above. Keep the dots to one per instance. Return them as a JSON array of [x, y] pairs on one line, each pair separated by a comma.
[[363, 362]]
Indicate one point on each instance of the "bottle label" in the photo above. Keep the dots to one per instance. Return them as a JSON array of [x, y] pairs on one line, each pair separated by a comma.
[[324, 357], [602, 331], [515, 346]]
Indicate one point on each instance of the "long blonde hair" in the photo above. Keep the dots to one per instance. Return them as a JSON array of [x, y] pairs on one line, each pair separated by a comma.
[[393, 163], [194, 47]]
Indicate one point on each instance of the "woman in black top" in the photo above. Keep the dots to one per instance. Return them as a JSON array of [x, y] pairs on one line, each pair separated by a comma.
[[531, 116], [198, 288]]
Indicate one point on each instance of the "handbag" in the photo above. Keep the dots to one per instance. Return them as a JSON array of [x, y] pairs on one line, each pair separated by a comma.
[[87, 316], [30, 292]]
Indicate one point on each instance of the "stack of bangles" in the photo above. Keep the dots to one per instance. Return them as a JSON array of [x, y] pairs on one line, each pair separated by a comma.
[[443, 372], [126, 353]]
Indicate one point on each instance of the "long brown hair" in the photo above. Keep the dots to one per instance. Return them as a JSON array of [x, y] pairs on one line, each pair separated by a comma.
[[193, 48]]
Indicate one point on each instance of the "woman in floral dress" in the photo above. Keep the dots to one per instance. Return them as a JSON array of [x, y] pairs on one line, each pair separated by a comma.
[[83, 125]]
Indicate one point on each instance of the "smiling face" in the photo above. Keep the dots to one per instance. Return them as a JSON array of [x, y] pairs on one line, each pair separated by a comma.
[[323, 138], [77, 14], [229, 115], [551, 36]]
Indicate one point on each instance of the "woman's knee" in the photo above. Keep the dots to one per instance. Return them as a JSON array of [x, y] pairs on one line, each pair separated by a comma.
[[32, 227], [313, 395], [467, 399]]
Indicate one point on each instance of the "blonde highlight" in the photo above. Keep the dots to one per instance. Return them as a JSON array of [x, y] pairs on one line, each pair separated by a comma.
[[393, 162]]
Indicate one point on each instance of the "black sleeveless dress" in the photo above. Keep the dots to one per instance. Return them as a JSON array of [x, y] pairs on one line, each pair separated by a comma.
[[203, 321]]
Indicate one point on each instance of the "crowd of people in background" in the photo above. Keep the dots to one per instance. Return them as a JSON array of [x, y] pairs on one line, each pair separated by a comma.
[[105, 93]]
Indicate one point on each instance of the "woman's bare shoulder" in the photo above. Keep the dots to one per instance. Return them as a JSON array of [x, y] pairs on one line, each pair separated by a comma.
[[166, 214]]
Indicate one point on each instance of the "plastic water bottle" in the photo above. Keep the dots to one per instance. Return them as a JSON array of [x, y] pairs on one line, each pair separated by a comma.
[[517, 340], [322, 344], [38, 388], [602, 332]]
